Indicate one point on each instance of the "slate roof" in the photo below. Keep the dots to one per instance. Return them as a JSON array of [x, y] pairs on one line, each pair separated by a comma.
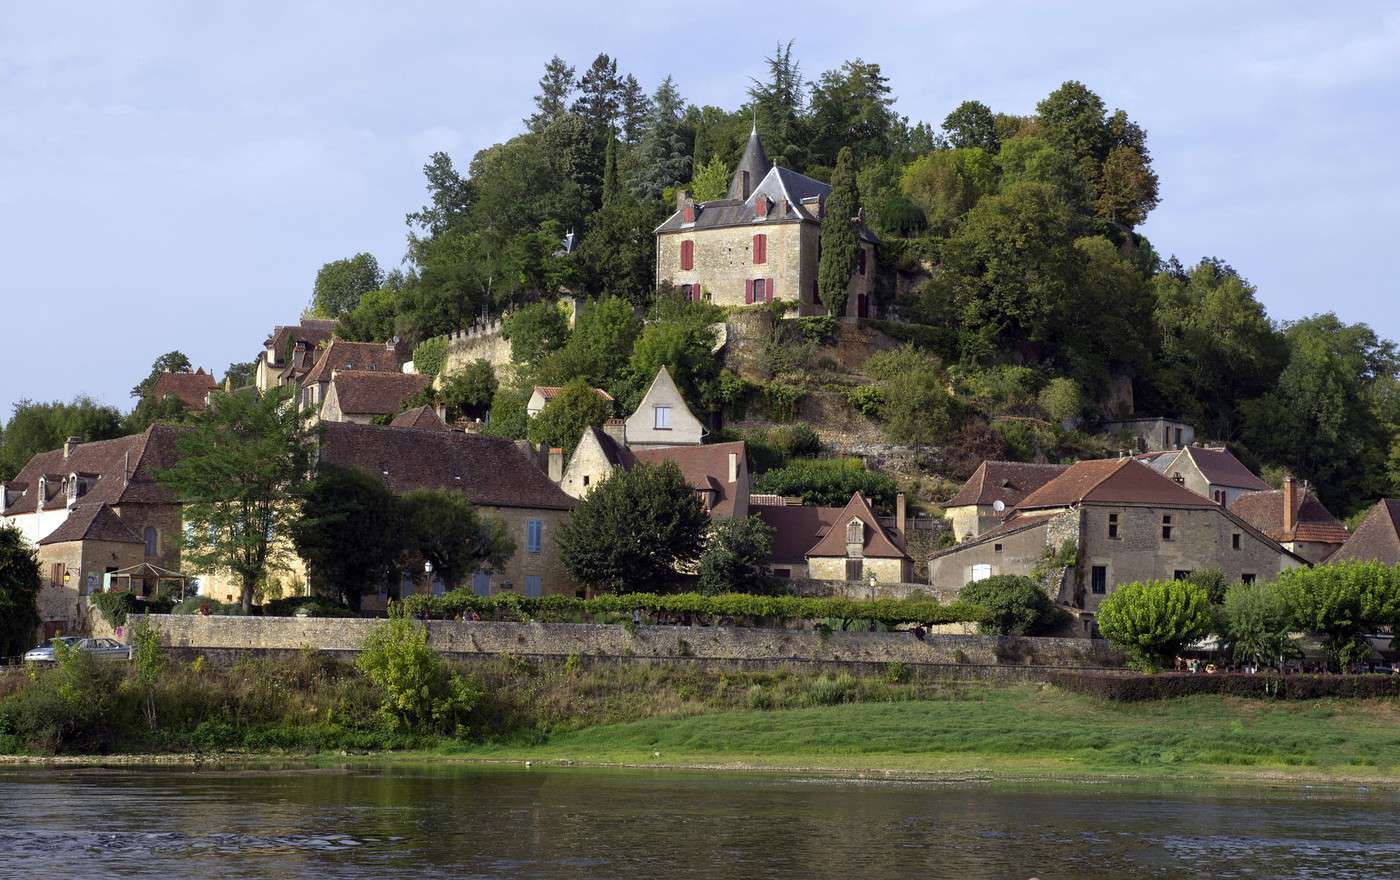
[[421, 417], [1004, 481], [490, 471], [1313, 522], [369, 392], [342, 354], [1220, 468], [1377, 539], [704, 468], [142, 455], [190, 388], [1111, 481], [754, 161], [92, 522]]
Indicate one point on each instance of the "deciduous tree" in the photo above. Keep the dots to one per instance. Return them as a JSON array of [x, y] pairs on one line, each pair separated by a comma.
[[1155, 620], [351, 533], [19, 592], [445, 530], [564, 419], [735, 552], [341, 283]]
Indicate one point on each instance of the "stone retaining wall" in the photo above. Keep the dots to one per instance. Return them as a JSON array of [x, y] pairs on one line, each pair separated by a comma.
[[487, 638]]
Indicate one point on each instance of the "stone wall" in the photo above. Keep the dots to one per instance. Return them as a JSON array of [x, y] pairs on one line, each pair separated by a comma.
[[483, 342], [476, 638]]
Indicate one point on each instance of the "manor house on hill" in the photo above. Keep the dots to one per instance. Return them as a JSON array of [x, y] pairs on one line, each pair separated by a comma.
[[759, 243]]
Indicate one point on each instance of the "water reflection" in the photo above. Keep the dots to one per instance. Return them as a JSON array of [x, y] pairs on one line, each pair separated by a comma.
[[473, 822]]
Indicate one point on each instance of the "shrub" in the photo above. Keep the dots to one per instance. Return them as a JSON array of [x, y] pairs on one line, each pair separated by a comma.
[[795, 440], [1061, 400], [65, 708], [418, 691], [147, 661], [1342, 601], [829, 482], [1016, 605], [305, 606], [206, 605], [469, 392], [819, 329], [781, 400], [915, 403], [429, 355], [868, 400], [735, 550], [1152, 621]]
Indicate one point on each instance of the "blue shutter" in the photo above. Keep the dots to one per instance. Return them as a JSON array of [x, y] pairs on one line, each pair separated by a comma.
[[481, 583], [533, 587]]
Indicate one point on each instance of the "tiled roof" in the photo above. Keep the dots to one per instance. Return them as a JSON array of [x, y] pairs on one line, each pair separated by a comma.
[[704, 467], [92, 522], [1004, 481], [421, 417], [1017, 523], [126, 469], [368, 392], [190, 388], [344, 355], [1220, 468], [1314, 523], [1111, 481], [1377, 539], [795, 529], [312, 331], [878, 544], [489, 471], [549, 392]]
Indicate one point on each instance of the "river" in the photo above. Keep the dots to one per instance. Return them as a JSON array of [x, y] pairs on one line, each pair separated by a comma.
[[473, 822]]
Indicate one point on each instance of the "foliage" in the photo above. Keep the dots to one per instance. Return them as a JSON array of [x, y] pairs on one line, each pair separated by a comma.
[[971, 124], [913, 398], [598, 348], [118, 606], [618, 254], [561, 424], [39, 427], [946, 184], [207, 605], [1016, 606], [1155, 620], [68, 707], [665, 154], [20, 582], [443, 529], [735, 551], [683, 348], [468, 393], [372, 319], [839, 247], [341, 283], [419, 691], [1061, 399], [828, 482], [1257, 623], [170, 362], [237, 476], [535, 331], [508, 417], [430, 355], [711, 180], [351, 532], [1343, 602], [634, 530], [147, 662]]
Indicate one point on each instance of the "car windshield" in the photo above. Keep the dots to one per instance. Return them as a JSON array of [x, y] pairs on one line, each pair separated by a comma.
[[67, 640]]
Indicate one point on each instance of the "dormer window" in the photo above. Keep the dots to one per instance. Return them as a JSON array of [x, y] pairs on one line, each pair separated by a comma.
[[688, 214], [760, 207], [855, 532]]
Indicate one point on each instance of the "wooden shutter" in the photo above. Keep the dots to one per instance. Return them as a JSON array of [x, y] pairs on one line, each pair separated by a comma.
[[688, 214], [760, 249], [769, 288], [748, 292], [687, 255]]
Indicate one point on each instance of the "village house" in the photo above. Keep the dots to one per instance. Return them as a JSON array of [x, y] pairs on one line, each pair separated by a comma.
[[1377, 539], [492, 473], [339, 354], [1148, 434], [364, 395], [290, 352], [837, 543], [1295, 518], [425, 418], [663, 418], [760, 242], [992, 490], [191, 389], [1123, 522], [1212, 472], [541, 395]]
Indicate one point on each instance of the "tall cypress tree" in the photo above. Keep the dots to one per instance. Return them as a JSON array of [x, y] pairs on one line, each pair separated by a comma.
[[839, 245]]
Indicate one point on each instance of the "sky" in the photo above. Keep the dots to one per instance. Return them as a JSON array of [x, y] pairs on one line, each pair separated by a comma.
[[172, 175]]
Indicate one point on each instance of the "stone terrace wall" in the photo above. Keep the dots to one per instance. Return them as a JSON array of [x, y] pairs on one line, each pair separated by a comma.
[[477, 638]]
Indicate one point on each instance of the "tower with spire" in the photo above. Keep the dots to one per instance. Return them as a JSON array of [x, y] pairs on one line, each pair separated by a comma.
[[760, 242]]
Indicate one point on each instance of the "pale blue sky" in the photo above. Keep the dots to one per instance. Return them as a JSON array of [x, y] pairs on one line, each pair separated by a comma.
[[173, 174]]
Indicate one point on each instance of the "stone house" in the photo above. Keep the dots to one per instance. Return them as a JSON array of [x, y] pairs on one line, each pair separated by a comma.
[[837, 543], [192, 389], [543, 394], [491, 472], [989, 494], [1212, 472], [1295, 518], [760, 243], [364, 395], [339, 354], [1151, 433], [1377, 539], [663, 418], [290, 352], [1124, 522]]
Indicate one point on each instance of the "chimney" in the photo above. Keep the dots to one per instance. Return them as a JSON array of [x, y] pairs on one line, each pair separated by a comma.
[[899, 515], [69, 445], [1290, 502], [686, 205], [556, 464], [616, 429], [733, 467]]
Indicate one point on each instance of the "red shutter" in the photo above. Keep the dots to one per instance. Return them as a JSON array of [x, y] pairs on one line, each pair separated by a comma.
[[769, 288], [689, 214], [760, 207], [748, 292], [687, 255], [760, 249]]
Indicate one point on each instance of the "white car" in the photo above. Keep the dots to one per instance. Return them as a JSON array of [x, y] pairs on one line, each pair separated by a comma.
[[100, 649]]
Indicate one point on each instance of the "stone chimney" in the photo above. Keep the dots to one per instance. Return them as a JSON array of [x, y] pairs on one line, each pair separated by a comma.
[[685, 205], [1290, 505], [556, 464], [733, 467], [617, 430], [899, 515], [69, 445]]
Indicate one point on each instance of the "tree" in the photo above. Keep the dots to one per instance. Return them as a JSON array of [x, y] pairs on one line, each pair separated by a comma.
[[850, 110], [170, 362], [468, 393], [634, 531], [618, 254], [1344, 602], [1257, 623], [1018, 606], [828, 482], [450, 197], [778, 103], [240, 374], [535, 331], [39, 427], [735, 553], [914, 401], [237, 477], [372, 319], [599, 100], [683, 347], [20, 583], [1031, 159], [1072, 119], [612, 183], [598, 348], [444, 530], [552, 102], [1155, 620], [665, 153], [838, 237], [711, 180], [946, 184], [430, 355], [1061, 399], [148, 411], [351, 532], [508, 417], [972, 125], [633, 110], [564, 419], [341, 283]]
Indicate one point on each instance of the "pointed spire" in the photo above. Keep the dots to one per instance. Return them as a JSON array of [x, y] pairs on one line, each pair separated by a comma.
[[753, 166]]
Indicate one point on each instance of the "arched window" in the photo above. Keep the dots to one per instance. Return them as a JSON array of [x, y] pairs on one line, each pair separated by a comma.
[[855, 532], [149, 534]]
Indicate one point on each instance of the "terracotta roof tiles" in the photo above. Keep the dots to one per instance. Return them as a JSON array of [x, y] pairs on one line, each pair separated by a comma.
[[1314, 523], [190, 388], [1004, 481], [1377, 539], [704, 468], [369, 392]]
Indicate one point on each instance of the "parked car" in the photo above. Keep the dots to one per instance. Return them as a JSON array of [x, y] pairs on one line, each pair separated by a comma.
[[100, 649]]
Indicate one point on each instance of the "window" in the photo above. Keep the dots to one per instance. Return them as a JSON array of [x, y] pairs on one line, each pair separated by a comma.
[[980, 572], [687, 255], [481, 583], [855, 532], [585, 479], [760, 291], [1247, 578], [1181, 574], [1098, 580], [860, 261], [1113, 525], [1166, 527], [56, 574], [663, 418], [1219, 496], [533, 587], [149, 535], [688, 214], [1235, 541], [855, 568], [996, 548], [534, 533], [782, 572], [760, 249], [1178, 438]]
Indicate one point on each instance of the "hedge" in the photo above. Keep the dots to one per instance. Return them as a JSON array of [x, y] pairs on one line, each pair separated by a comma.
[[728, 608], [1137, 688]]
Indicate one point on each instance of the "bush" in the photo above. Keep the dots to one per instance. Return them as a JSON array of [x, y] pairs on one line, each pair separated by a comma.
[[915, 403], [429, 356], [469, 392], [795, 440], [1061, 400], [1017, 606], [305, 606], [66, 707], [819, 329], [206, 605], [418, 690], [1137, 688], [829, 482], [1155, 620], [868, 400]]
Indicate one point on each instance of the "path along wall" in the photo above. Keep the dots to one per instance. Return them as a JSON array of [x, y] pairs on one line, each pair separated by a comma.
[[475, 638]]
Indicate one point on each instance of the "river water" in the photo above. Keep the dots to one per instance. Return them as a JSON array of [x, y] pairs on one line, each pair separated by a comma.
[[470, 822]]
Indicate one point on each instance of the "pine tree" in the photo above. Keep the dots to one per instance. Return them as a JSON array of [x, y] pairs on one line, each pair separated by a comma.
[[778, 104], [599, 100], [665, 153], [612, 185], [635, 110], [555, 87], [838, 244]]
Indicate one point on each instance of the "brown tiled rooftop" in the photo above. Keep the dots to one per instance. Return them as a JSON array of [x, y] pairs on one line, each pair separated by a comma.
[[1377, 539], [1314, 523], [190, 388], [704, 467], [341, 354], [1004, 481], [1220, 467], [369, 392], [1111, 481]]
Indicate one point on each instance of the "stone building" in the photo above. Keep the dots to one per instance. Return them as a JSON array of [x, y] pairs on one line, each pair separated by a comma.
[[663, 418], [760, 243], [1377, 539], [1124, 522], [492, 473], [1151, 433], [990, 493], [541, 395], [364, 395], [290, 352], [837, 543], [192, 389], [1211, 472], [1295, 517], [339, 354]]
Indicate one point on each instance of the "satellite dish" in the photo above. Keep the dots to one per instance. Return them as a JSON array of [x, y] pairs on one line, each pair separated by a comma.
[[998, 505]]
